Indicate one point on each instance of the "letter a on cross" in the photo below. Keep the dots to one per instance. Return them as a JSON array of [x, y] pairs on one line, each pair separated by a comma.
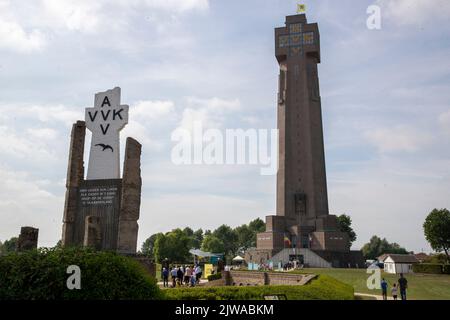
[[105, 120]]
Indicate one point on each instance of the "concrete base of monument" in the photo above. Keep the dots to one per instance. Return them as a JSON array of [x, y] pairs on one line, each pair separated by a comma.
[[306, 257], [258, 278], [148, 264]]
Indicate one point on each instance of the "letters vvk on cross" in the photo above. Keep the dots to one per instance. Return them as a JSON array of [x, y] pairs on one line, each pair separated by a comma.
[[105, 115], [105, 121]]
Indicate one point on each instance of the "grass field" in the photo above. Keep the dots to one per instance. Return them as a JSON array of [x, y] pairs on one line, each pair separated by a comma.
[[420, 286]]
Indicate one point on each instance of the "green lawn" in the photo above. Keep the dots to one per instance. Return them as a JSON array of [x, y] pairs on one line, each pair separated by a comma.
[[420, 286]]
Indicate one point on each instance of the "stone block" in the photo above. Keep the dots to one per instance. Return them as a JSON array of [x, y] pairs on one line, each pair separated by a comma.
[[28, 239], [93, 232], [127, 239]]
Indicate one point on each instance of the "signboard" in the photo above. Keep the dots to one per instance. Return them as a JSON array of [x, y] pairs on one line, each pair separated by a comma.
[[208, 270]]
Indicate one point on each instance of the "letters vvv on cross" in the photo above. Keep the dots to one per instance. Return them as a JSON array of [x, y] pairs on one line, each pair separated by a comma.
[[105, 121]]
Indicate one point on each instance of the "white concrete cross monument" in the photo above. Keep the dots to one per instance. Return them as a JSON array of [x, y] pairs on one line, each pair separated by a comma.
[[105, 121]]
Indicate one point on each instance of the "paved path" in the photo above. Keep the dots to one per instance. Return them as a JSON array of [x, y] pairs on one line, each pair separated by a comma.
[[377, 297]]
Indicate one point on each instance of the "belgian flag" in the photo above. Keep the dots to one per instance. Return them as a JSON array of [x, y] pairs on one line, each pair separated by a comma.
[[301, 8], [287, 242]]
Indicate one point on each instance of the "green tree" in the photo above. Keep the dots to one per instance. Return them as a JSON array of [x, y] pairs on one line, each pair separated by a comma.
[[228, 237], [345, 225], [437, 230], [257, 225], [377, 246], [188, 232], [197, 239], [213, 244], [173, 245], [244, 237], [9, 245], [149, 244]]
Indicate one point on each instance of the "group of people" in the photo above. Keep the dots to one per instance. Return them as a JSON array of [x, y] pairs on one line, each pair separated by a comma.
[[292, 265], [402, 285], [182, 275]]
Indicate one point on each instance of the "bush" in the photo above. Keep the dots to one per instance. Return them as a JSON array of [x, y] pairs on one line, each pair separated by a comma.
[[215, 276], [41, 275], [427, 268], [446, 269], [321, 288]]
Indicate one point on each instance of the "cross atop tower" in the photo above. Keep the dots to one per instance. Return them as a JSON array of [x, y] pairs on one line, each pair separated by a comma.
[[297, 38]]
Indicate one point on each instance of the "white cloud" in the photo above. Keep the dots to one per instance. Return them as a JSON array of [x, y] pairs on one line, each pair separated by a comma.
[[58, 114], [444, 121], [413, 12], [196, 211], [28, 27], [210, 112], [151, 109], [24, 146], [390, 197], [398, 139], [43, 133], [14, 37], [24, 202], [177, 5], [75, 15]]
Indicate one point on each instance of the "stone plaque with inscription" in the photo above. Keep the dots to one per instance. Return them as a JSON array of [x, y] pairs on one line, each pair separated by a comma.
[[100, 198]]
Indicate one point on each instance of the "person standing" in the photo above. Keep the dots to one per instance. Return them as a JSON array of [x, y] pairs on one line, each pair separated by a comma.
[[403, 285], [180, 276], [187, 275], [174, 277], [384, 287], [165, 276], [198, 273], [394, 291], [193, 279]]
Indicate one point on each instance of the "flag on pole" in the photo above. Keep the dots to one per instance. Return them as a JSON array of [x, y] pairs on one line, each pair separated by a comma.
[[301, 8]]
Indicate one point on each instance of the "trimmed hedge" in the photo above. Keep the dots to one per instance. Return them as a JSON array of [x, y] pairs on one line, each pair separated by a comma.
[[41, 275], [322, 288], [215, 276], [427, 268]]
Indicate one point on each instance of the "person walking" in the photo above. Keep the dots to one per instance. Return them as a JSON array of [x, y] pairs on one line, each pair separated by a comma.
[[403, 285], [165, 276], [384, 287], [394, 291]]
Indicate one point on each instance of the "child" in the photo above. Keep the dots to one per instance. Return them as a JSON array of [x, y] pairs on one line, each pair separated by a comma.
[[394, 291]]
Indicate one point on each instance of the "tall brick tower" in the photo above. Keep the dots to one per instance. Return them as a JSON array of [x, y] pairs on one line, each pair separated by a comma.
[[302, 220], [301, 179]]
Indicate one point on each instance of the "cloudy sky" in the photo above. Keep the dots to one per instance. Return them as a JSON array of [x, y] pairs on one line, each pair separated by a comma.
[[385, 99]]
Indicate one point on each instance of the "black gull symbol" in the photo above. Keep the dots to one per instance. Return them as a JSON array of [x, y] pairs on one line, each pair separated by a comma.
[[105, 146]]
